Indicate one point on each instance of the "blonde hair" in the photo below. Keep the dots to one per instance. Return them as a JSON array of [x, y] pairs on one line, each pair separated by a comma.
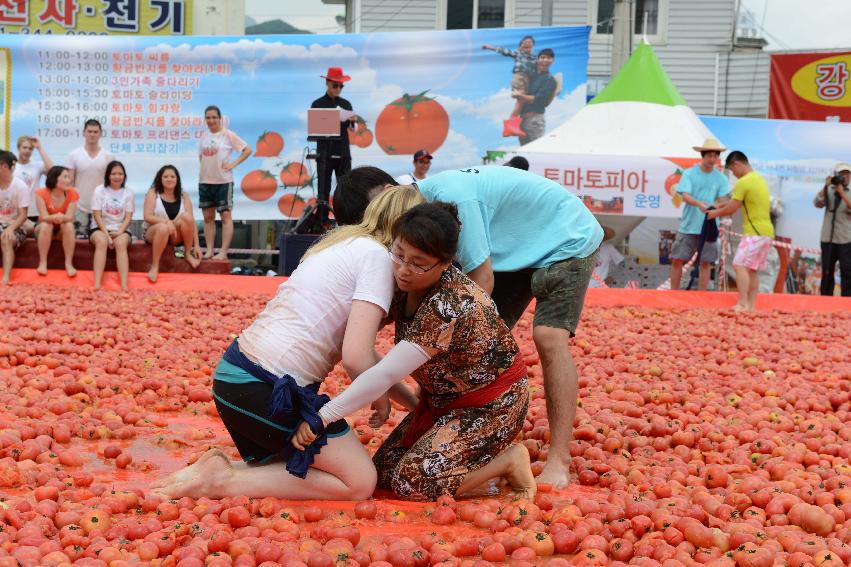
[[378, 218], [22, 139]]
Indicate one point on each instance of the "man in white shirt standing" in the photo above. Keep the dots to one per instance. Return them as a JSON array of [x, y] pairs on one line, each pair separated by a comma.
[[14, 200], [87, 165], [30, 171], [422, 163]]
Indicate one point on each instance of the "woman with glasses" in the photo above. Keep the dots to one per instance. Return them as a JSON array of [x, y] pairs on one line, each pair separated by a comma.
[[335, 155], [267, 382], [473, 388]]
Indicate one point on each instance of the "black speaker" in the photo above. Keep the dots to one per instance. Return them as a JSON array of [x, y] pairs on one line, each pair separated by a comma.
[[292, 247]]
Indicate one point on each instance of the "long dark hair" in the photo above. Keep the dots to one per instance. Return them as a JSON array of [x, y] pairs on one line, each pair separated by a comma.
[[158, 181], [53, 175], [432, 228], [109, 167]]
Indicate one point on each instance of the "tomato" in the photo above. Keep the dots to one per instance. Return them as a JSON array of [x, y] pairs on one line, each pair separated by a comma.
[[443, 516], [411, 123], [269, 144], [540, 542], [362, 137], [295, 174], [366, 510], [291, 205], [671, 182], [123, 460], [494, 552], [259, 185], [238, 517]]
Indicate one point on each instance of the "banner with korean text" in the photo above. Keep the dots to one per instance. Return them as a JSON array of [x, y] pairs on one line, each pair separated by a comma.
[[96, 17], [810, 86], [447, 92], [615, 185]]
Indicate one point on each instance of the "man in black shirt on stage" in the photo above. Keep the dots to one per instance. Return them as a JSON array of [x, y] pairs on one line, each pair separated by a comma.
[[338, 158]]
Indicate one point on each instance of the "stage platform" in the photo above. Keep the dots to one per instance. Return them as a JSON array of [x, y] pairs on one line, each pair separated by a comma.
[[140, 259], [609, 297]]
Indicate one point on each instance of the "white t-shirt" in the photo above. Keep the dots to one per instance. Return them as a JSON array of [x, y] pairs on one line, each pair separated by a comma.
[[12, 199], [301, 330], [215, 149], [89, 174], [407, 179], [30, 173], [607, 257], [113, 205]]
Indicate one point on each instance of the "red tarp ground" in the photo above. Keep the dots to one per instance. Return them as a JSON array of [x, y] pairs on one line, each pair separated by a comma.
[[610, 297]]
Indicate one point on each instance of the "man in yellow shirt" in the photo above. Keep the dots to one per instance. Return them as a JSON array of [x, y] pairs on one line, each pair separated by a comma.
[[750, 193]]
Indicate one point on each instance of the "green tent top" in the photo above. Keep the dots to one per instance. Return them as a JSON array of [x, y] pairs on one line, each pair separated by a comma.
[[641, 79]]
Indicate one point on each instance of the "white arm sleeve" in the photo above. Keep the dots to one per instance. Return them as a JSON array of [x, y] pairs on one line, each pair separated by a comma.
[[403, 359]]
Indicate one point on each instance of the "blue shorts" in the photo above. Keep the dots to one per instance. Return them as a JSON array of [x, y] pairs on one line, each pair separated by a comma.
[[219, 195]]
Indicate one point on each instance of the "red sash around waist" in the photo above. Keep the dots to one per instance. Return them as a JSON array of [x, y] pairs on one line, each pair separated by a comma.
[[425, 415]]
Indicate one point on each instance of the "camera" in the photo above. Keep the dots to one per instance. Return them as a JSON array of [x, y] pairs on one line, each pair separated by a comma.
[[837, 180]]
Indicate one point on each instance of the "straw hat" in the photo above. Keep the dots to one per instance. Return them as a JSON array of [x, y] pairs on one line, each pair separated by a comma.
[[840, 167], [710, 145], [608, 233]]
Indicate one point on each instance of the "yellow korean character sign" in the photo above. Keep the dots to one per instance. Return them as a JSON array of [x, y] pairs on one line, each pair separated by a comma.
[[5, 95], [97, 17]]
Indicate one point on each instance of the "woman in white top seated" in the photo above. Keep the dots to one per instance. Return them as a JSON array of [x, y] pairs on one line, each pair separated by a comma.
[[267, 382], [168, 218]]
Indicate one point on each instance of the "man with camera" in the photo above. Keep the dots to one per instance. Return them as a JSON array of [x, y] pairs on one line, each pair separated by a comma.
[[836, 230]]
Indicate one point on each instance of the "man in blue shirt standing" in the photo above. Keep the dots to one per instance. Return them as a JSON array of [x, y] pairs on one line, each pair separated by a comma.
[[700, 187], [522, 236]]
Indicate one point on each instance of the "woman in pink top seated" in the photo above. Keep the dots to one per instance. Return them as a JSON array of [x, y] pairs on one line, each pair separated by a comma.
[[57, 203]]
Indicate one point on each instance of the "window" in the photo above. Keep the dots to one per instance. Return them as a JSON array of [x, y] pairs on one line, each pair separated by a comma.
[[649, 13], [471, 14]]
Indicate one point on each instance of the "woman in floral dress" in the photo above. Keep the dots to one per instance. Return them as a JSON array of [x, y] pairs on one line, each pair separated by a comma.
[[473, 388]]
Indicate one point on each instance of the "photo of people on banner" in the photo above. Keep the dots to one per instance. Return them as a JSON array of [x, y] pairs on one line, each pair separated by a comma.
[[398, 93]]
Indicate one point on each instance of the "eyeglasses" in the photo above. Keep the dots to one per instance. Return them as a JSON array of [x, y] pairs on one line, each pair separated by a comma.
[[413, 267], [337, 85]]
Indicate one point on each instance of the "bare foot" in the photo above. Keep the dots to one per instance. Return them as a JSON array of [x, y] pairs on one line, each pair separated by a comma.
[[181, 475], [519, 474], [203, 478], [41, 270], [740, 307], [555, 473], [193, 261], [207, 255], [71, 271], [153, 274], [6, 281], [220, 256]]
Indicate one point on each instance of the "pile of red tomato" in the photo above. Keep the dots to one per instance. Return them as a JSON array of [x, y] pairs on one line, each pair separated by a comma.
[[702, 438]]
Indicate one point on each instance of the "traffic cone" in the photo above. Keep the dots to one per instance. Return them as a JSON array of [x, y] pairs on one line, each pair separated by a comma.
[[511, 127]]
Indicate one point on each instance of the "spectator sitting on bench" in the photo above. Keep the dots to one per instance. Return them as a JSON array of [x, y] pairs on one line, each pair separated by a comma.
[[112, 211], [14, 200], [168, 218], [57, 205]]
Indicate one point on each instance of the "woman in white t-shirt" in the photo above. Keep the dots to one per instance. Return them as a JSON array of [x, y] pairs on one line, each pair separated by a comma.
[[112, 211], [267, 382], [215, 179]]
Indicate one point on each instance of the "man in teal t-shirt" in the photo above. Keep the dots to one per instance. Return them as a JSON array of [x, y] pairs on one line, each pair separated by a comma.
[[700, 187], [522, 236]]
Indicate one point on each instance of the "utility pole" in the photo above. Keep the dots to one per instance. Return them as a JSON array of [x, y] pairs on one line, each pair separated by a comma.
[[621, 34], [546, 13]]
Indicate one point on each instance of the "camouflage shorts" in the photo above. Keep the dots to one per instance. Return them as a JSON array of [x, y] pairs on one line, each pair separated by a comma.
[[560, 292]]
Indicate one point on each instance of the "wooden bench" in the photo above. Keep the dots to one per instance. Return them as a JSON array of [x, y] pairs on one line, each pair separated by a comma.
[[140, 258]]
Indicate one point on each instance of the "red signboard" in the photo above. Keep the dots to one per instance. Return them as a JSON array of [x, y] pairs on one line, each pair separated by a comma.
[[811, 86]]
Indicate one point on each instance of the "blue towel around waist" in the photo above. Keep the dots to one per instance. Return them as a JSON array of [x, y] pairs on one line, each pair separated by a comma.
[[288, 397]]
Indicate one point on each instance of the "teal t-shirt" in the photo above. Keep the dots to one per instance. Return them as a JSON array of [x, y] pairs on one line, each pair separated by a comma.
[[705, 187], [516, 218]]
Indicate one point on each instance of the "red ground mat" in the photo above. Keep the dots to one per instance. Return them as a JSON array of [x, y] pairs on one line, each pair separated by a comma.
[[609, 297]]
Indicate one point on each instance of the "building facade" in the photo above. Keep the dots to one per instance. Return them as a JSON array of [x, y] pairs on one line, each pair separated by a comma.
[[717, 65]]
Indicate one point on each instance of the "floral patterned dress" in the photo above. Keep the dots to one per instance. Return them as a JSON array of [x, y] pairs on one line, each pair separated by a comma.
[[459, 320]]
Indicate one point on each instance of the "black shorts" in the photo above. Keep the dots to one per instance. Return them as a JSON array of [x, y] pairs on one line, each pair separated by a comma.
[[244, 409]]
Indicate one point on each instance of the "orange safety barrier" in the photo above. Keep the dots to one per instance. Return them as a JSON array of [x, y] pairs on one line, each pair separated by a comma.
[[608, 297]]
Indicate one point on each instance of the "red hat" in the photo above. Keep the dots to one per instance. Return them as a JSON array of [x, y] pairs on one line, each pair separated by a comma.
[[422, 154], [336, 74]]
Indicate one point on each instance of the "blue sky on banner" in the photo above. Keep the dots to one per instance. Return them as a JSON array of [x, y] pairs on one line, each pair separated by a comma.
[[273, 80]]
